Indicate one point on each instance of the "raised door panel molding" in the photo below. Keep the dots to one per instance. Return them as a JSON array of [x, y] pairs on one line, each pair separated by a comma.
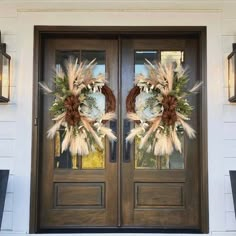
[[79, 195], [159, 195]]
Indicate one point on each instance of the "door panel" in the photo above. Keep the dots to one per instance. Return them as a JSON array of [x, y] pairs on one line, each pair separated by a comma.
[[160, 191], [119, 187], [77, 191]]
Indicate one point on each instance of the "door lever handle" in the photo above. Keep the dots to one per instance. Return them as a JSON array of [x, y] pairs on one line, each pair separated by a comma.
[[113, 145], [126, 145]]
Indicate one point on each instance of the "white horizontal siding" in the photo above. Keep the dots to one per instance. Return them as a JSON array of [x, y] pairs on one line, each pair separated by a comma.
[[7, 164], [7, 148], [13, 93], [229, 164], [228, 11], [229, 148], [10, 184], [229, 37], [7, 221], [8, 12], [229, 27], [227, 185], [8, 203], [230, 220], [10, 40], [229, 131], [8, 26], [7, 130], [229, 113], [8, 115], [13, 66], [223, 233]]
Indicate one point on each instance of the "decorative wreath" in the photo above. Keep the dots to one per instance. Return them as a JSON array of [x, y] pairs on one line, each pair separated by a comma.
[[82, 105], [159, 107]]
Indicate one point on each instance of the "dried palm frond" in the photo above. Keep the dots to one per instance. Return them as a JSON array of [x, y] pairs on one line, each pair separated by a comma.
[[152, 129], [165, 73], [52, 131], [73, 145], [59, 73], [72, 71], [92, 132], [91, 63], [163, 146], [79, 89], [45, 88], [133, 116], [108, 116], [181, 71], [101, 78], [176, 140], [196, 87], [81, 146], [181, 116], [187, 128], [150, 64], [107, 132], [134, 132], [66, 140], [59, 117]]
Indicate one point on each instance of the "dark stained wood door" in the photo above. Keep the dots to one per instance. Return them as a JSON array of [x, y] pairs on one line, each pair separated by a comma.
[[134, 190], [160, 192], [76, 192]]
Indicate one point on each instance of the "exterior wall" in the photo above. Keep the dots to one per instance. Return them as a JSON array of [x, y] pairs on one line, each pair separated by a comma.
[[8, 152], [229, 117], [16, 24]]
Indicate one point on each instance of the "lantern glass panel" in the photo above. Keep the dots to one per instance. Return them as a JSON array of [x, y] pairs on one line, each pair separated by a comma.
[[5, 77], [231, 75]]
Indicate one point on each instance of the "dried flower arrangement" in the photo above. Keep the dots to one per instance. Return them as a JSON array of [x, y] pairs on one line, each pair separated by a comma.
[[159, 107], [76, 110]]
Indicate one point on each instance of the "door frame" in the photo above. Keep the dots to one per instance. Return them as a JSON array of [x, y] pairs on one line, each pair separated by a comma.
[[43, 32]]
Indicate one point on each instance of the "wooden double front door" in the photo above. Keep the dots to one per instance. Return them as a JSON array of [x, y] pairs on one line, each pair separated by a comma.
[[118, 187]]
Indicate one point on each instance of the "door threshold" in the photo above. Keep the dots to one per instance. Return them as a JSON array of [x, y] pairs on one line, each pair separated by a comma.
[[121, 230]]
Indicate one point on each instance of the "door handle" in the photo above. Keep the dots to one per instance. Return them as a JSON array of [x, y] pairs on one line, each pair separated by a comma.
[[113, 145], [126, 145]]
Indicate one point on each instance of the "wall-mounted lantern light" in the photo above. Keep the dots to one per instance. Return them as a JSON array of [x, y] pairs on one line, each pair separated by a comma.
[[4, 73], [232, 74]]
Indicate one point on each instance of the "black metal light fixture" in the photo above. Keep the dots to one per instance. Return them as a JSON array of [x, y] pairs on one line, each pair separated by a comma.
[[232, 75], [4, 73]]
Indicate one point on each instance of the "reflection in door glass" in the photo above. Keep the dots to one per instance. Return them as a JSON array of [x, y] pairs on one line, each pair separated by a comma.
[[140, 57], [143, 159], [96, 159], [172, 56], [62, 56], [100, 60]]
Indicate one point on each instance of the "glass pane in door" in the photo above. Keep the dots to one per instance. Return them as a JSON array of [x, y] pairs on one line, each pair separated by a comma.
[[172, 56], [144, 159], [176, 159], [140, 56], [96, 159], [100, 59]]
